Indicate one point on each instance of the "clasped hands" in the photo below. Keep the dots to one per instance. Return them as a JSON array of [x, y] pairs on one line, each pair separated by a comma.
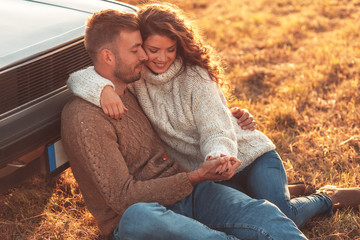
[[215, 168]]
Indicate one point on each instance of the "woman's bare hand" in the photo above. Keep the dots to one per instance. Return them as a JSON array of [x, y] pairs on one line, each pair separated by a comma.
[[111, 103], [245, 119]]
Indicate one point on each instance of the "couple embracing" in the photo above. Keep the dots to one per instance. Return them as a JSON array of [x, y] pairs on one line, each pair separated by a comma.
[[154, 148]]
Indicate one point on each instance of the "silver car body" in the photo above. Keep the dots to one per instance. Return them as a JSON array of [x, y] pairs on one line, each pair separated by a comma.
[[41, 44]]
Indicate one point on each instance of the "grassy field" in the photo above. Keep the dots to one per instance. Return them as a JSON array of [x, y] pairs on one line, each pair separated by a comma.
[[295, 65]]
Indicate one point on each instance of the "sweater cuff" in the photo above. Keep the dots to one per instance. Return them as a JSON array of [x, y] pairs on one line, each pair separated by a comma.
[[88, 85], [185, 182], [217, 152]]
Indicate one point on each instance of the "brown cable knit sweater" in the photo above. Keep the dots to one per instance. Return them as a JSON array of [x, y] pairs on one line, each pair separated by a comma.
[[118, 162]]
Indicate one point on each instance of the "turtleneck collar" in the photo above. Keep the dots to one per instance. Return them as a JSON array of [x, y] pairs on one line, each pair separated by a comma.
[[159, 79]]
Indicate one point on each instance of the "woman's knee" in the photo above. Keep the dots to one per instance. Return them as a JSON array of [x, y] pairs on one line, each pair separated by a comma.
[[269, 161], [273, 157]]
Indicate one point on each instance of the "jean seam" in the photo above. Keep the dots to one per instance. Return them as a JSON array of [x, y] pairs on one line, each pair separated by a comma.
[[241, 226], [329, 212]]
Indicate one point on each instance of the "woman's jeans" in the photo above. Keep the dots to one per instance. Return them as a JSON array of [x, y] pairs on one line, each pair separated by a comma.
[[211, 211], [266, 179]]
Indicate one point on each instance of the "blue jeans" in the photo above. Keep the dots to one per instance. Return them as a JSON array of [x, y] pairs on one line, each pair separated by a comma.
[[266, 179], [211, 211]]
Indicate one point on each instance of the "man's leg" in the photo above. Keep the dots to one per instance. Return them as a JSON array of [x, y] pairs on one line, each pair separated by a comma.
[[228, 210], [152, 221]]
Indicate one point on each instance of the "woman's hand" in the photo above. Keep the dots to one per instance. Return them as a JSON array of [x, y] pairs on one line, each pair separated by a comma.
[[245, 119], [111, 103]]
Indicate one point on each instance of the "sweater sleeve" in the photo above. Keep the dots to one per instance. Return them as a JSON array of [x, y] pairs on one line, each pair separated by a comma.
[[92, 145], [88, 85], [212, 118]]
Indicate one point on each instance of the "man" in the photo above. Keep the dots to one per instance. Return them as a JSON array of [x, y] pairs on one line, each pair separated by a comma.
[[133, 189]]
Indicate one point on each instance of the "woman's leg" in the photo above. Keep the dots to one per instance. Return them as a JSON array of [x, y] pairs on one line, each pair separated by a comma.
[[230, 211], [266, 179]]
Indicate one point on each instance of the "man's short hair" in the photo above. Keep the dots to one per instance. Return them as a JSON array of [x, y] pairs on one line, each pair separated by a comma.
[[103, 28]]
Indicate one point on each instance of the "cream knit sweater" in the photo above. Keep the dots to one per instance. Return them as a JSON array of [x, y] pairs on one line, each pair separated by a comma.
[[188, 111]]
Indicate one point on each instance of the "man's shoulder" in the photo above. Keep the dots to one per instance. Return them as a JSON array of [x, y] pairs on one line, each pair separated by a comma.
[[79, 108], [79, 105]]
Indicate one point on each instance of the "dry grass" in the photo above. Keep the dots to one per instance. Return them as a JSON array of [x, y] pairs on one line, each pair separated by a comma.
[[46, 210], [295, 65]]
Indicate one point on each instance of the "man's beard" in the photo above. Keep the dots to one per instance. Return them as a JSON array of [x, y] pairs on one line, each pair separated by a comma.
[[124, 73], [126, 78]]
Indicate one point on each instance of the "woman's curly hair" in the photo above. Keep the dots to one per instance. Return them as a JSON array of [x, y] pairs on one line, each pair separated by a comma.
[[168, 20]]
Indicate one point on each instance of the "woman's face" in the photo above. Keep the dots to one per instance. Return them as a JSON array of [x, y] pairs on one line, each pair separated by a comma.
[[161, 51]]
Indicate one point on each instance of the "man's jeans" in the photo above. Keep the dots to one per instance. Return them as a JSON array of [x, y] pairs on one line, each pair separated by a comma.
[[211, 211], [266, 179]]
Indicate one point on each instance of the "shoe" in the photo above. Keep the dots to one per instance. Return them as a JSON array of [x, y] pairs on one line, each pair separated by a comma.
[[298, 189]]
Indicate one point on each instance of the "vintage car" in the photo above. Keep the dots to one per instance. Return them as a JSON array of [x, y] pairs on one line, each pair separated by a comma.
[[40, 45]]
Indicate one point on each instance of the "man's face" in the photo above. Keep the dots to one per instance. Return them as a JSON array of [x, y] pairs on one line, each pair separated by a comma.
[[129, 56]]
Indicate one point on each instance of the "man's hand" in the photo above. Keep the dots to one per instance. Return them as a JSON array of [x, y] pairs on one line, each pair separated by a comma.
[[111, 103], [209, 169], [245, 119]]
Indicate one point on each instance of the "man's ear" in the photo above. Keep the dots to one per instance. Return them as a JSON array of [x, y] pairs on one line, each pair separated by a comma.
[[107, 56]]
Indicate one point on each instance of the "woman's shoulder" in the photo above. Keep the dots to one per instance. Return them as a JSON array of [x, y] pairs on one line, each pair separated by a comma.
[[197, 71], [199, 77]]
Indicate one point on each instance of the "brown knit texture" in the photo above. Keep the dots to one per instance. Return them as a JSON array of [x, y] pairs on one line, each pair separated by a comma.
[[118, 162]]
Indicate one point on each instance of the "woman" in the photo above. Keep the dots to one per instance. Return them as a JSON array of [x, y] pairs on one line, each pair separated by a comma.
[[179, 92]]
